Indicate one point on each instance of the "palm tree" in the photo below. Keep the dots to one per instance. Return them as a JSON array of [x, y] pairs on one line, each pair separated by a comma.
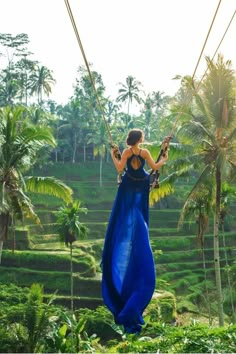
[[211, 128], [9, 88], [25, 67], [227, 191], [15, 46], [32, 322], [199, 208], [147, 120], [20, 141], [129, 92], [35, 321], [91, 103], [73, 115], [41, 81], [70, 229]]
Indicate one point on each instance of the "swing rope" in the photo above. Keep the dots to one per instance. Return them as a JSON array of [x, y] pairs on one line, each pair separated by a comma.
[[197, 88], [212, 58], [88, 68], [187, 97], [166, 142], [186, 100]]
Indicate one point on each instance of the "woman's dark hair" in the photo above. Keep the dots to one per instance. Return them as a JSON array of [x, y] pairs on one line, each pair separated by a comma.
[[134, 136]]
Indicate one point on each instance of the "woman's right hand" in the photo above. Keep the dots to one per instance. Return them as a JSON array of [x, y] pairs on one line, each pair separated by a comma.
[[115, 151], [165, 156]]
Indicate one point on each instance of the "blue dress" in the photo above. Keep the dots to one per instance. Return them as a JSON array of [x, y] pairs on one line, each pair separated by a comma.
[[128, 269]]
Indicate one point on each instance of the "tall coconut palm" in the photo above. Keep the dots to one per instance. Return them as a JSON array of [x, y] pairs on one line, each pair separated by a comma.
[[70, 229], [19, 143], [24, 67], [73, 123], [129, 92], [227, 192], [41, 81], [199, 208], [211, 129]]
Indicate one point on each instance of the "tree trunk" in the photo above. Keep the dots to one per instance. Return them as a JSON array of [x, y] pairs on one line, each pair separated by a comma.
[[107, 155], [128, 110], [13, 235], [208, 303], [1, 245], [71, 280], [56, 156], [56, 150], [227, 269], [4, 229], [216, 250], [100, 172], [75, 147], [84, 152]]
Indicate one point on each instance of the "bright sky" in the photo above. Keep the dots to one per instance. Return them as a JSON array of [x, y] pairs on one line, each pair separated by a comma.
[[152, 40]]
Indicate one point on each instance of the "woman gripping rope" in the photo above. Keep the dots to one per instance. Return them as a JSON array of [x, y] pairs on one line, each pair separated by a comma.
[[128, 269]]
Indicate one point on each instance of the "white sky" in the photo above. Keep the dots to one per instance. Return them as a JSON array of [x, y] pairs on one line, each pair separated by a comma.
[[152, 40]]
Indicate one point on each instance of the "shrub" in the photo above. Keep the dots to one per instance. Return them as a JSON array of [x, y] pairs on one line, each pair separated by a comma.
[[162, 307]]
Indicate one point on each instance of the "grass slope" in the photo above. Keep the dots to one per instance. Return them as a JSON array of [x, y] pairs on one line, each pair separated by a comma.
[[178, 257]]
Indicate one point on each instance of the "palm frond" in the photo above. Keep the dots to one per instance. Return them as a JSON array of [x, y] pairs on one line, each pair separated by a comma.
[[20, 205], [157, 194], [204, 115], [50, 186], [204, 176], [195, 130], [69, 226], [232, 136], [37, 134]]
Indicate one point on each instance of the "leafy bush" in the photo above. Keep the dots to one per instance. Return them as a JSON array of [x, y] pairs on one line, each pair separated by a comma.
[[46, 328], [12, 294], [100, 322], [162, 307], [187, 339]]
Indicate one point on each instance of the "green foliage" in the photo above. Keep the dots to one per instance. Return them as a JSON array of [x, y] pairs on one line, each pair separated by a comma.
[[49, 185], [41, 327], [185, 305], [29, 325], [68, 335], [46, 328], [100, 322], [12, 294], [69, 226], [20, 143], [209, 128], [168, 339]]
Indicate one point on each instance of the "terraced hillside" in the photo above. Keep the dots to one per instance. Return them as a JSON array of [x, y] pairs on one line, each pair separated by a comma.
[[40, 257]]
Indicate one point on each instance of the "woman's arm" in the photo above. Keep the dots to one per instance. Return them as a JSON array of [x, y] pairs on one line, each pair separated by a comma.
[[154, 165], [120, 164]]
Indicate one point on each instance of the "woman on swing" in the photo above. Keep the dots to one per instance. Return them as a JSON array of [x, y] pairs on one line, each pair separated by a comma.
[[128, 270]]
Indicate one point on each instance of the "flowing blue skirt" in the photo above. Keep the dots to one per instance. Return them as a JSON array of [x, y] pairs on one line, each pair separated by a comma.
[[128, 269]]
